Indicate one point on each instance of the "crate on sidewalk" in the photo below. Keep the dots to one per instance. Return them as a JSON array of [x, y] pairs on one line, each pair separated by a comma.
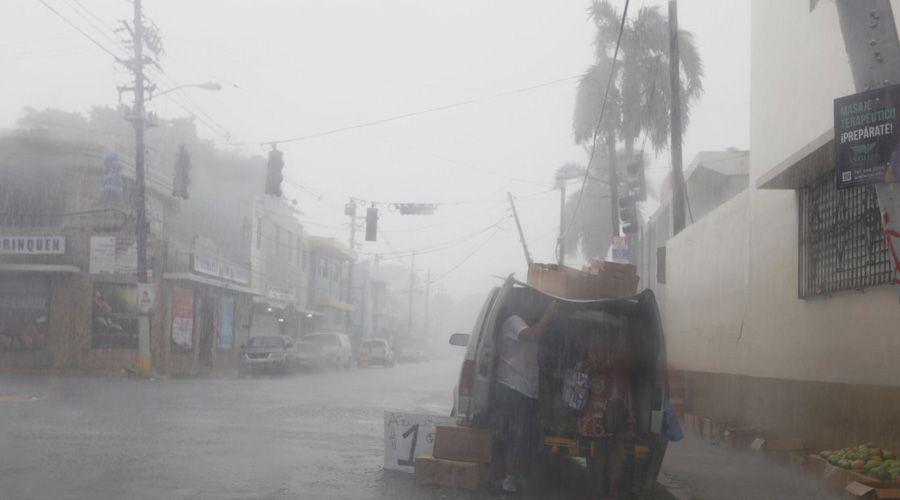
[[450, 473], [465, 444]]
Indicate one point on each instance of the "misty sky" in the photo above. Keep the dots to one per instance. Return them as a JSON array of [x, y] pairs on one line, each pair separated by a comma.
[[296, 67]]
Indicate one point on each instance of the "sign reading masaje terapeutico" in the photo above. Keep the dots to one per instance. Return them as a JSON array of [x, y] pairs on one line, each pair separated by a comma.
[[867, 137]]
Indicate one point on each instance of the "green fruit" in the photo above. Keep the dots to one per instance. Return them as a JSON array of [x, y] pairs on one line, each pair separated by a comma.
[[885, 476], [844, 464], [857, 464], [887, 454], [824, 454], [871, 464]]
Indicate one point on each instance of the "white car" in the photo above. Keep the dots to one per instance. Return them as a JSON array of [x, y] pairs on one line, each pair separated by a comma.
[[334, 348], [375, 351]]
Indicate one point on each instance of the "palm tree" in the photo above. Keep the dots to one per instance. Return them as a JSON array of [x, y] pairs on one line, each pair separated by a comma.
[[637, 105]]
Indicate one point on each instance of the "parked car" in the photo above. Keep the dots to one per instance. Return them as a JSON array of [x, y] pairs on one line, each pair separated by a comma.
[[334, 348], [375, 352], [269, 353], [576, 325]]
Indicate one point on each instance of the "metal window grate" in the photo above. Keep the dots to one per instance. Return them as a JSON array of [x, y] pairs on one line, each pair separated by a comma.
[[842, 243]]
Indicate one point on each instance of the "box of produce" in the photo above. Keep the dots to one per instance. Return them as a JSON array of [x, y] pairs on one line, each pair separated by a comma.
[[868, 460]]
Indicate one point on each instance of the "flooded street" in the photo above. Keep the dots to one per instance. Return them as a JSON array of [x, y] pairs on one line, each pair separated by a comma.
[[313, 435]]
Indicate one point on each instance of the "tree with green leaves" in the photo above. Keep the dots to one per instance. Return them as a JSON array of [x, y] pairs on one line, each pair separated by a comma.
[[637, 108]]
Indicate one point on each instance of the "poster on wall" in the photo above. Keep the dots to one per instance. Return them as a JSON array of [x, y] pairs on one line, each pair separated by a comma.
[[182, 319], [115, 255], [226, 323], [24, 311], [867, 137], [115, 318]]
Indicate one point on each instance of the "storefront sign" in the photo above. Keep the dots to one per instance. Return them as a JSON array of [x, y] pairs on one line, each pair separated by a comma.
[[280, 294], [182, 319], [867, 137], [409, 435], [115, 324], [114, 255], [226, 323], [221, 270], [32, 245]]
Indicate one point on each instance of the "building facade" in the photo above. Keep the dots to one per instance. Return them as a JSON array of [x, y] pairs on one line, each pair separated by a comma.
[[778, 302]]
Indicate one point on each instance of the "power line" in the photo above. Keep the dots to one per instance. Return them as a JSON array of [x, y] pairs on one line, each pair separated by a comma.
[[612, 74], [467, 257], [443, 107], [84, 33]]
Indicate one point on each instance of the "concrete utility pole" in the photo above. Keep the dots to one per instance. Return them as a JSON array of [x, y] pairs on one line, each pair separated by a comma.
[[138, 120], [613, 182], [561, 241], [870, 37], [675, 118], [412, 276], [519, 227], [427, 299]]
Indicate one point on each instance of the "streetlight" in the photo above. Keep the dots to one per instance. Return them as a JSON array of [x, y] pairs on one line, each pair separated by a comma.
[[214, 86]]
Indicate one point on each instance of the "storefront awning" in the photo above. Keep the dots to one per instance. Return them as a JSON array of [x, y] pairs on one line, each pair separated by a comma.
[[337, 304], [803, 167], [39, 268], [277, 304], [211, 282]]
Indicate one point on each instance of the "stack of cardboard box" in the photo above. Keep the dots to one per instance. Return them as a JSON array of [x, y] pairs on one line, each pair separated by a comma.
[[601, 279], [460, 458]]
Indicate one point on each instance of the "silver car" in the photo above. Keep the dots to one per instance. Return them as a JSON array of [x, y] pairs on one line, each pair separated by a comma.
[[334, 348], [269, 353]]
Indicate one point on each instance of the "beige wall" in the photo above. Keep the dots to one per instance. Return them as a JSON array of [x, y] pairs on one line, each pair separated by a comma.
[[733, 310]]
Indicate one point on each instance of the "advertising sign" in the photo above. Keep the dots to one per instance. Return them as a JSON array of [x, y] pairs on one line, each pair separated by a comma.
[[24, 311], [146, 297], [226, 323], [115, 324], [32, 245], [221, 270], [182, 319], [867, 138], [114, 255], [408, 435]]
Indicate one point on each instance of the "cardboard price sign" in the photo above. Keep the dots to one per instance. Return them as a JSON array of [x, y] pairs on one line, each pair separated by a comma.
[[867, 137], [409, 435]]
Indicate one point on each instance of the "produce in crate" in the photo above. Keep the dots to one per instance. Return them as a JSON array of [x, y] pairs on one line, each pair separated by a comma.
[[867, 458]]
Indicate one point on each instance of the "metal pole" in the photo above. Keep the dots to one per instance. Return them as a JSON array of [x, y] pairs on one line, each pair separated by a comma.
[[138, 121], [519, 227], [678, 220], [613, 182], [561, 241]]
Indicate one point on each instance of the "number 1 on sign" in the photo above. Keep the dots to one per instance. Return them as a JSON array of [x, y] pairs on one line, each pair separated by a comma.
[[414, 430]]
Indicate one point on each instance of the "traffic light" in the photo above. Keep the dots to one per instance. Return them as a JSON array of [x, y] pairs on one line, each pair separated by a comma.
[[636, 182], [182, 173], [628, 214], [273, 173], [371, 223]]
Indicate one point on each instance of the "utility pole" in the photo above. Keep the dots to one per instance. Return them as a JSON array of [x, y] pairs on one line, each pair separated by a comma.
[[138, 120], [561, 241], [870, 38], [519, 227], [678, 189], [412, 275], [427, 300], [613, 182]]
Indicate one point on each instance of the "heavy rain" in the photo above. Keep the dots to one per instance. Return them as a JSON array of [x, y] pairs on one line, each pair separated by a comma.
[[592, 249]]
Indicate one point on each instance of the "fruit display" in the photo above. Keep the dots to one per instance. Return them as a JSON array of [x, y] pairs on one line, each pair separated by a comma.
[[868, 459]]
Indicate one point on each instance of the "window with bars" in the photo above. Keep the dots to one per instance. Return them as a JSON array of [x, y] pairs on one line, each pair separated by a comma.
[[841, 240]]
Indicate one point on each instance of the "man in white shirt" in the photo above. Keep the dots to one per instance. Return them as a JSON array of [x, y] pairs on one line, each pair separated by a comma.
[[517, 377]]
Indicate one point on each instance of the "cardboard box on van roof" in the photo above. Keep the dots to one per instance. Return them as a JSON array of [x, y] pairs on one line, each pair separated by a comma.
[[604, 280]]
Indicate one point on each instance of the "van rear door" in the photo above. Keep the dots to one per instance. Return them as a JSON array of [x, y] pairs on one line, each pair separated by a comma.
[[485, 355]]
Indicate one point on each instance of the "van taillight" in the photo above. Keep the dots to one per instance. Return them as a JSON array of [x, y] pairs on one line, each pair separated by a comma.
[[466, 377]]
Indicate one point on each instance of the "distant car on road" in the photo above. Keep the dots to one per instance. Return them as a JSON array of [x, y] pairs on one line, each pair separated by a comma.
[[269, 353], [375, 351], [334, 348]]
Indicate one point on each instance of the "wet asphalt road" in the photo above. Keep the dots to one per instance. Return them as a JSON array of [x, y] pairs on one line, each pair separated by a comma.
[[313, 435]]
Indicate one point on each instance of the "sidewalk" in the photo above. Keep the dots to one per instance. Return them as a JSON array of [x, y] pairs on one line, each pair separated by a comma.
[[699, 468]]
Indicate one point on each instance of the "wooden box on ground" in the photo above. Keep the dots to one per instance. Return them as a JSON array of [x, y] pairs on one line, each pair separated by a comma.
[[610, 280], [466, 444], [450, 473], [856, 490]]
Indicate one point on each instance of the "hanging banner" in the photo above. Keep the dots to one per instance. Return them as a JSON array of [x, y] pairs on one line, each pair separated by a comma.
[[867, 138], [182, 319], [226, 323]]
